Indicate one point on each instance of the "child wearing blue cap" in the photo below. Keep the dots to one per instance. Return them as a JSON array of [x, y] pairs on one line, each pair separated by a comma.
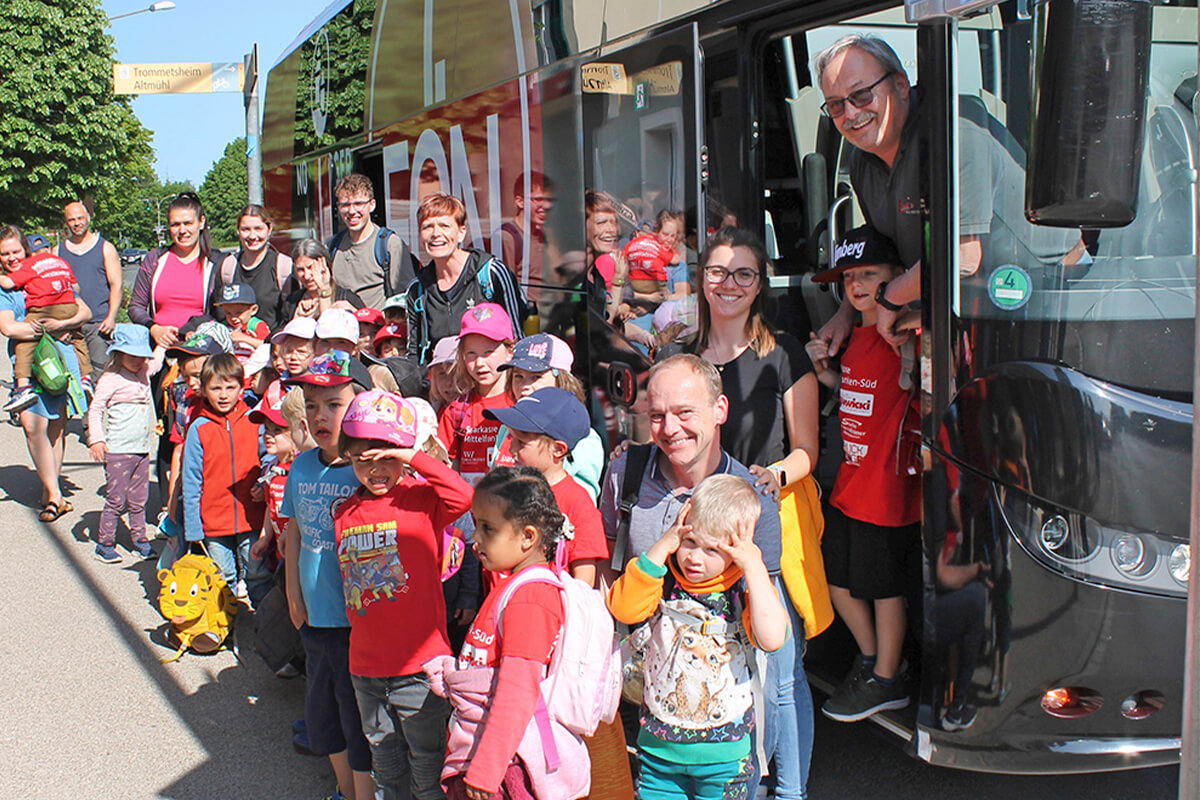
[[121, 424]]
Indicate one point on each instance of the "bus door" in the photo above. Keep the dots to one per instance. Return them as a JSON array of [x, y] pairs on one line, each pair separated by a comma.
[[643, 156]]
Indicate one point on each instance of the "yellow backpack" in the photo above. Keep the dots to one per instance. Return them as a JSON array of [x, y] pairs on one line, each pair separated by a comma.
[[197, 602]]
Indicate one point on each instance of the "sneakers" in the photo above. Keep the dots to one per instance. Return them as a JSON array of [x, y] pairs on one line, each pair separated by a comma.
[[88, 389], [288, 670], [959, 716], [337, 795], [861, 697], [21, 399], [144, 550], [107, 554]]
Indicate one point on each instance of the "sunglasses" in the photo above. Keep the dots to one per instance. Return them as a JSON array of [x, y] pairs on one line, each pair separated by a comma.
[[859, 98]]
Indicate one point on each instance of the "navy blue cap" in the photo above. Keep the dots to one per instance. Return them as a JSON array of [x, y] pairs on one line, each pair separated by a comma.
[[35, 242], [532, 353], [552, 411], [236, 293]]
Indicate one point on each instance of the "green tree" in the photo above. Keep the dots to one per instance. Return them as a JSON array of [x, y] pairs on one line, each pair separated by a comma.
[[224, 193], [63, 133]]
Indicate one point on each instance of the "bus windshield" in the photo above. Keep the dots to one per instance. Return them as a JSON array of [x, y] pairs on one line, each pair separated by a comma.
[[1117, 304]]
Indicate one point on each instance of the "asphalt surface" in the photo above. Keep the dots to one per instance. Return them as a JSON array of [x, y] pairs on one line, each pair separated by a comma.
[[90, 712]]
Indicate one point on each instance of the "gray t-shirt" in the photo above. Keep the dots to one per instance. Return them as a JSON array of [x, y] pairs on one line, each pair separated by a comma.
[[659, 503], [356, 268]]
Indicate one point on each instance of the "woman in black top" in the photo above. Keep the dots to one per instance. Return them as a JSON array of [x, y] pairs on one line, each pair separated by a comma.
[[317, 290], [773, 428], [260, 265]]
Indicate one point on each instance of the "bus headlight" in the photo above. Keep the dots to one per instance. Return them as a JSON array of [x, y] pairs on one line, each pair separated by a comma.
[[1055, 531], [1180, 562], [1129, 554]]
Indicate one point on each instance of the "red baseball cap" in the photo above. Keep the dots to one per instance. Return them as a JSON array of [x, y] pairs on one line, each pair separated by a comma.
[[372, 316]]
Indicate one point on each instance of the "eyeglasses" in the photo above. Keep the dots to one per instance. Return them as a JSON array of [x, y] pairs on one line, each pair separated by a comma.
[[353, 205], [742, 276], [859, 98]]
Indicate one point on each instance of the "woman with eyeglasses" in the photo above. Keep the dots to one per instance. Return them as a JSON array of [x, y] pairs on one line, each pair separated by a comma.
[[316, 290], [176, 282], [773, 428]]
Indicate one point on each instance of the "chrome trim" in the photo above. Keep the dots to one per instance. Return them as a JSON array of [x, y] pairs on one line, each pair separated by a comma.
[[1105, 747]]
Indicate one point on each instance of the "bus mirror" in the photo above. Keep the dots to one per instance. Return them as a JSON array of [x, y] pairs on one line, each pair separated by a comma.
[[1092, 65]]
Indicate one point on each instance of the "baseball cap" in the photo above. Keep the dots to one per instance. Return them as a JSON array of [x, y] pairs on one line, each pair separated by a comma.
[[381, 415], [337, 323], [198, 344], [236, 293], [860, 247], [399, 301], [427, 421], [552, 411], [259, 360], [132, 339], [334, 368], [444, 351], [35, 242], [532, 353], [390, 331], [371, 316], [270, 408], [489, 320], [300, 327]]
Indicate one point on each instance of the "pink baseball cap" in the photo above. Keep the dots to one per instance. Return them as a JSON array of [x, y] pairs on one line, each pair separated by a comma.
[[300, 327], [489, 320], [381, 415], [337, 323], [445, 351]]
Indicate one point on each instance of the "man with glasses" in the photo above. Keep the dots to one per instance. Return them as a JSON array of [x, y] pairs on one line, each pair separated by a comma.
[[373, 262], [869, 98], [512, 233]]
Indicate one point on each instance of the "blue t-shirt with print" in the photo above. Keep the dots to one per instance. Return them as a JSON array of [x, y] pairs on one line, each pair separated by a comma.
[[313, 493]]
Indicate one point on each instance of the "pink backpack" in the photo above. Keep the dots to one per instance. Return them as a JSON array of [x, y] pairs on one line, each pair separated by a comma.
[[583, 683]]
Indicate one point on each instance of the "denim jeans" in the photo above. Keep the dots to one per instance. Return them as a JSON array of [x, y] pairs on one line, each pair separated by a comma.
[[788, 728], [232, 556], [405, 725]]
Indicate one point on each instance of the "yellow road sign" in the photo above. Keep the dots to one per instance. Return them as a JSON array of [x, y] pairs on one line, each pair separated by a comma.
[[180, 78]]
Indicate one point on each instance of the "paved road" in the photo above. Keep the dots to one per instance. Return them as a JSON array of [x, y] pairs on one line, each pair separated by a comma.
[[91, 713]]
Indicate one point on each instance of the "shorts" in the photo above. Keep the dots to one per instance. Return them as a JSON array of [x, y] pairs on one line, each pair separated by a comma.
[[872, 561], [330, 705]]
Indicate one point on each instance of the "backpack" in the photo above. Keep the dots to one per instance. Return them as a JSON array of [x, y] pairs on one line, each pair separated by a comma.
[[197, 602], [48, 367], [283, 269], [582, 686]]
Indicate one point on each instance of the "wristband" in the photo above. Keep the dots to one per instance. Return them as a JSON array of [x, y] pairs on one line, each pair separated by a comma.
[[325, 293], [883, 301]]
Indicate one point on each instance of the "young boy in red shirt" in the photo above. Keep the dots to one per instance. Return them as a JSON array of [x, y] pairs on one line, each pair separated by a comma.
[[389, 536], [543, 428], [872, 530], [50, 292]]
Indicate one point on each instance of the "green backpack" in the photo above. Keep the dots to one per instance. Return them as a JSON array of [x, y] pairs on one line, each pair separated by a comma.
[[49, 369]]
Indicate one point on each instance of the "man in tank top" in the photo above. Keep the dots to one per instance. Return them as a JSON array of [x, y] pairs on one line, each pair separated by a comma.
[[97, 268]]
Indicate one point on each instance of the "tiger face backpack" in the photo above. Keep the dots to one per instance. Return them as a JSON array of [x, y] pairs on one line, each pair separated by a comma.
[[197, 602]]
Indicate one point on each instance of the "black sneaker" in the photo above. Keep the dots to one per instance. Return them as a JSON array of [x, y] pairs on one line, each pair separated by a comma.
[[959, 716], [863, 698]]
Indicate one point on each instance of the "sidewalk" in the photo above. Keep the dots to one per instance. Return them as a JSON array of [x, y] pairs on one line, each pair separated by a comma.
[[90, 711]]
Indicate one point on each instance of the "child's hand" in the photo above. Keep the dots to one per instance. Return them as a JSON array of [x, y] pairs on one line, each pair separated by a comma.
[[260, 547], [257, 493], [98, 451], [296, 609], [741, 547], [465, 616], [818, 352], [668, 543], [404, 454], [474, 793]]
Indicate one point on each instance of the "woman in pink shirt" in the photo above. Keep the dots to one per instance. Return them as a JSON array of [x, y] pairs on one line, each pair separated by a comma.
[[177, 282]]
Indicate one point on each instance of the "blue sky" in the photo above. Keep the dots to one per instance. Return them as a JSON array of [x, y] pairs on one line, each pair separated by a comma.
[[191, 130]]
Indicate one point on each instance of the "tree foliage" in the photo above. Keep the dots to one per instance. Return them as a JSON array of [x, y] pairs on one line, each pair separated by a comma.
[[63, 133], [224, 193]]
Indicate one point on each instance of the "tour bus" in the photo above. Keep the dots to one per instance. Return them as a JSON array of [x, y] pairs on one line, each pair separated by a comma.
[[1056, 394]]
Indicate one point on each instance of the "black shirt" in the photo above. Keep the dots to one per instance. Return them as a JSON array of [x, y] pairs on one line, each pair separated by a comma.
[[264, 281]]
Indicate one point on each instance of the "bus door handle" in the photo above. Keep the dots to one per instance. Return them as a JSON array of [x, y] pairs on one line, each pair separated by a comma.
[[834, 234]]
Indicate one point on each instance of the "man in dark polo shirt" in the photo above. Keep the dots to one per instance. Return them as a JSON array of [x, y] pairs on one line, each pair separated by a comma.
[[877, 111]]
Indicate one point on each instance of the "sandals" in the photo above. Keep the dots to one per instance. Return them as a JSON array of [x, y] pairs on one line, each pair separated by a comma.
[[52, 511]]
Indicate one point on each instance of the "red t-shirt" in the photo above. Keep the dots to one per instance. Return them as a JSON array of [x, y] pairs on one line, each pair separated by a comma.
[[389, 551], [468, 434], [648, 258], [46, 279], [532, 621], [276, 483], [873, 408], [577, 505]]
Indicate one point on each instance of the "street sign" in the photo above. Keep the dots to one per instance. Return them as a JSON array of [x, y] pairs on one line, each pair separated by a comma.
[[179, 78]]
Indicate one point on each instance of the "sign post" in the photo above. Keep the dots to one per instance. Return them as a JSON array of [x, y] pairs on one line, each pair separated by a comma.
[[253, 149]]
